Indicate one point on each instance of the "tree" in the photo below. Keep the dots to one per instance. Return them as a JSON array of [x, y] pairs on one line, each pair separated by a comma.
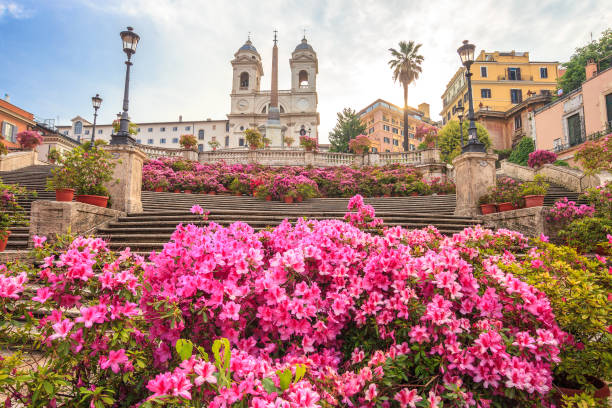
[[520, 154], [596, 50], [348, 127], [132, 128], [406, 66], [449, 139]]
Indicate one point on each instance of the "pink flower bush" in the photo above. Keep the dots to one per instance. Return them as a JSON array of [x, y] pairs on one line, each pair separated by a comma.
[[28, 139], [320, 313], [566, 211], [539, 158]]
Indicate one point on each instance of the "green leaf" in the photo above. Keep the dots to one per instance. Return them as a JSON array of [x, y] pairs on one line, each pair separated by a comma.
[[268, 385], [184, 348], [48, 387], [300, 371], [285, 378]]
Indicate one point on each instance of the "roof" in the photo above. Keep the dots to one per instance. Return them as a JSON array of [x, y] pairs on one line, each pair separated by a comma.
[[391, 106], [248, 46], [303, 46], [85, 121]]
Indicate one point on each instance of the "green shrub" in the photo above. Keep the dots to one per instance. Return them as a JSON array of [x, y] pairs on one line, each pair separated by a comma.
[[449, 139], [520, 154], [587, 234], [561, 163]]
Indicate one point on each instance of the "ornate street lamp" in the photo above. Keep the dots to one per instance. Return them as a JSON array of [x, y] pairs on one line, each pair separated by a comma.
[[459, 111], [130, 42], [96, 101], [466, 53]]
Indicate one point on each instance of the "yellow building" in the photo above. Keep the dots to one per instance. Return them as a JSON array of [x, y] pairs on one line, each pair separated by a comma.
[[385, 125], [500, 81]]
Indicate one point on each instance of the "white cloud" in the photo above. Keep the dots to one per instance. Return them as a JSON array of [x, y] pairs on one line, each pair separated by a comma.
[[193, 41], [12, 9]]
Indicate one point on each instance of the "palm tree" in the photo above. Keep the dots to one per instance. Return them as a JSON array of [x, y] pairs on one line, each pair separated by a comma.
[[406, 66]]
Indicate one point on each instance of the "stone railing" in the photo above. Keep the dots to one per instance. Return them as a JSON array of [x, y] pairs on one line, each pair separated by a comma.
[[17, 160], [154, 152], [572, 179]]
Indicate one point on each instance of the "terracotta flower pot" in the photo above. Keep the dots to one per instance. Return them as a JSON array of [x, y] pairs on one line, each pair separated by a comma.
[[64, 194], [299, 199], [488, 208], [602, 393], [212, 192], [386, 195], [414, 194], [268, 198], [501, 207], [534, 201], [238, 194], [177, 191], [187, 191], [96, 200], [4, 240], [158, 189], [288, 200]]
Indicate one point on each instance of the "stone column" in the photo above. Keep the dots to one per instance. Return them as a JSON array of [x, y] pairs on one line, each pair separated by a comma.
[[373, 159], [474, 174], [126, 187], [309, 158], [191, 155]]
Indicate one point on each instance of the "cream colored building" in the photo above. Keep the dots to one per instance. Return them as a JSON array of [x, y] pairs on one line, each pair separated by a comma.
[[250, 104]]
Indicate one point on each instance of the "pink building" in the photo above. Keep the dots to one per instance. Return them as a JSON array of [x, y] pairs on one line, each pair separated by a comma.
[[581, 115]]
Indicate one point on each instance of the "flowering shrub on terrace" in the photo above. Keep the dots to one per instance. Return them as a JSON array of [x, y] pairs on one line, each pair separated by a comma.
[[316, 314], [29, 139], [360, 144], [539, 158], [565, 211]]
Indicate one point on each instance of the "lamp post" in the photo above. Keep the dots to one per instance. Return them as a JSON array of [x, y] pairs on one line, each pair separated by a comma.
[[96, 101], [459, 111], [130, 41], [466, 53]]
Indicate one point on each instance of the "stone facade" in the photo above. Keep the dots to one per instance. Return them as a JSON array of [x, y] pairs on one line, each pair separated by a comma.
[[49, 218], [529, 221], [474, 174], [126, 187]]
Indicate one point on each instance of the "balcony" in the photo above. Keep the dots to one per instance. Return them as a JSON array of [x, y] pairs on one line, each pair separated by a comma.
[[521, 78]]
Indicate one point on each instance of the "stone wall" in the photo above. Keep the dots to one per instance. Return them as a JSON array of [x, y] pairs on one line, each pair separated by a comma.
[[18, 160], [49, 218], [529, 221]]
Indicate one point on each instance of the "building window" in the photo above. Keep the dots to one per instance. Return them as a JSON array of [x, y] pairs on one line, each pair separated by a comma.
[[371, 130], [241, 127], [9, 131], [518, 122], [175, 140], [162, 129], [465, 97], [175, 128], [485, 93], [514, 74], [86, 132], [483, 72], [411, 135], [226, 141], [227, 126], [448, 116], [609, 111], [244, 80], [162, 141], [303, 79], [149, 130], [138, 130], [395, 142], [386, 140], [150, 141], [394, 130], [574, 127], [387, 151], [66, 132], [139, 141], [545, 92], [78, 127], [374, 150], [187, 128], [386, 128], [201, 134], [241, 142], [543, 72], [200, 147], [516, 96], [99, 131]]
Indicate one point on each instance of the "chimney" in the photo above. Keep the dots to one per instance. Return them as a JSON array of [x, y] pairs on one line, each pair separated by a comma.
[[7, 97], [180, 118], [591, 69], [424, 107]]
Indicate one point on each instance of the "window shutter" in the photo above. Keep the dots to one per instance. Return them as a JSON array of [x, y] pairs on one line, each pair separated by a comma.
[[13, 134], [3, 130], [520, 95], [518, 74]]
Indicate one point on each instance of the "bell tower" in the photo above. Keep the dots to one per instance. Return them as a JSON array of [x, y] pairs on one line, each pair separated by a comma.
[[247, 69], [304, 68]]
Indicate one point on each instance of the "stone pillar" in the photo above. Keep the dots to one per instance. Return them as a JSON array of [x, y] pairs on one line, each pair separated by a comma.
[[358, 160], [431, 155], [126, 187], [191, 155], [309, 158], [474, 175], [373, 159]]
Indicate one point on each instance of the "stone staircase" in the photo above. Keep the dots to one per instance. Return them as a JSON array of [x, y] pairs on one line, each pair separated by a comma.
[[33, 178]]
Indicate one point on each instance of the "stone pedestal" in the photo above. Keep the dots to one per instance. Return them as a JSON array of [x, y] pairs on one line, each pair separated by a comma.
[[474, 175], [432, 171], [274, 132], [309, 158], [191, 155], [125, 193], [373, 159], [50, 218]]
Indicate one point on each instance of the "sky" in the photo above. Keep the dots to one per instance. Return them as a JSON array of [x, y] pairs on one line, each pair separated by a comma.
[[57, 54]]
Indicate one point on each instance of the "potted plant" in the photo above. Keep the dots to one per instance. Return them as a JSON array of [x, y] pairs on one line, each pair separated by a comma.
[[29, 139], [188, 142], [578, 291], [533, 192], [360, 144], [306, 191], [289, 141], [263, 191], [61, 181], [487, 204], [90, 166], [254, 139], [214, 144], [290, 196], [11, 213], [506, 194], [53, 155], [310, 144]]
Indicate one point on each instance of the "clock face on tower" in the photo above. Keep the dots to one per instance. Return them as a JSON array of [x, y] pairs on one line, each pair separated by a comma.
[[243, 104], [303, 104]]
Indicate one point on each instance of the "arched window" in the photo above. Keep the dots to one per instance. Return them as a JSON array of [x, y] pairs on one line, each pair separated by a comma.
[[303, 79], [282, 110], [265, 109], [244, 80], [266, 106], [78, 127]]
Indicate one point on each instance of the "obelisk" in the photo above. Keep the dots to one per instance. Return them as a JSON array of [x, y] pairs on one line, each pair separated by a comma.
[[273, 125]]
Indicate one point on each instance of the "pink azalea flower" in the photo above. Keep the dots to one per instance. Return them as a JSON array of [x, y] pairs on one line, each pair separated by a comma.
[[114, 359], [196, 209], [205, 372], [407, 398], [38, 241], [42, 294], [61, 329]]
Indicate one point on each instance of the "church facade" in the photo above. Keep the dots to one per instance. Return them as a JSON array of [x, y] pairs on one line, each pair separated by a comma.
[[250, 105]]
